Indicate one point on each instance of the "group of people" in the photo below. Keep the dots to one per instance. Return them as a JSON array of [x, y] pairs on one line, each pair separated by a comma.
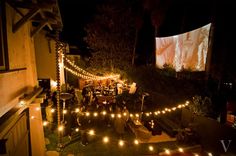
[[73, 119]]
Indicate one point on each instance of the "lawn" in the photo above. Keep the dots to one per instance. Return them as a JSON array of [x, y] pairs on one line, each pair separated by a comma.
[[97, 147]]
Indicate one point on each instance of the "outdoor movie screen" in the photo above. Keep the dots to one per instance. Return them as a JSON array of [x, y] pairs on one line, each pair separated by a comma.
[[184, 51]]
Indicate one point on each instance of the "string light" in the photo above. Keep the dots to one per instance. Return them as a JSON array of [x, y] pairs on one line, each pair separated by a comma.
[[95, 114], [136, 142], [91, 132], [45, 123], [104, 112], [119, 115], [181, 150], [167, 151], [64, 111], [60, 128], [22, 102], [84, 74], [87, 113], [121, 143], [150, 148], [210, 154], [105, 139]]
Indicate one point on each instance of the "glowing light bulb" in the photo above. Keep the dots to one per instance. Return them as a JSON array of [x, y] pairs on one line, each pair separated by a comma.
[[95, 114], [22, 102], [121, 143], [77, 129], [210, 154], [181, 150], [167, 151], [45, 123], [104, 112], [64, 111], [105, 139], [136, 142], [87, 113], [91, 132], [60, 128], [150, 148]]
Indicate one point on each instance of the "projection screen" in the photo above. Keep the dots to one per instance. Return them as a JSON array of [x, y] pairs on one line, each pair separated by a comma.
[[184, 51]]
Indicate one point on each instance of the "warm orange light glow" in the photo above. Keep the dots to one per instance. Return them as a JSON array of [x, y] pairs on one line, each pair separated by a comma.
[[136, 142], [121, 143], [167, 151], [181, 150], [60, 128], [105, 139], [150, 148], [91, 132], [45, 123]]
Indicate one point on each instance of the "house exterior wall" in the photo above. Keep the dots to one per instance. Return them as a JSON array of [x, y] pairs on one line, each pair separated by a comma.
[[20, 79], [45, 57], [21, 56]]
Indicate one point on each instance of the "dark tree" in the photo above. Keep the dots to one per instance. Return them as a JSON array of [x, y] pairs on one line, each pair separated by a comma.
[[111, 36]]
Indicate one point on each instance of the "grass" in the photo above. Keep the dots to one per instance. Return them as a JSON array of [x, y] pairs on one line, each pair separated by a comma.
[[97, 147]]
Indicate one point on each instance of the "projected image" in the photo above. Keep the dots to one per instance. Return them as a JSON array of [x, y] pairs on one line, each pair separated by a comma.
[[184, 51]]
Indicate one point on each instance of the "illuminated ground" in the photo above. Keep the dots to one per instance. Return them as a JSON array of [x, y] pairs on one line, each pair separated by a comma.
[[97, 147]]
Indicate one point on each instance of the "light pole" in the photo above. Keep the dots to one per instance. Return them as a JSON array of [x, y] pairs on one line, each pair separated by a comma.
[[143, 96], [64, 97]]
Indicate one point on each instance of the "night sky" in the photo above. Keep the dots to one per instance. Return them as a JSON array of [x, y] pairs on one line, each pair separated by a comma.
[[75, 15], [181, 16]]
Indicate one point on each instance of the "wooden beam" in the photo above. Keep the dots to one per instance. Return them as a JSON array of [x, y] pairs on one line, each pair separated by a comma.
[[15, 8], [25, 5], [24, 19], [49, 26], [36, 30]]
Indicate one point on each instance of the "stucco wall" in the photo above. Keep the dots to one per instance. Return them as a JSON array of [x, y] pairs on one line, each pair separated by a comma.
[[21, 55], [45, 57]]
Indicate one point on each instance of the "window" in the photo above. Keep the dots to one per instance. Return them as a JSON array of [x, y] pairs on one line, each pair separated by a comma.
[[3, 50]]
